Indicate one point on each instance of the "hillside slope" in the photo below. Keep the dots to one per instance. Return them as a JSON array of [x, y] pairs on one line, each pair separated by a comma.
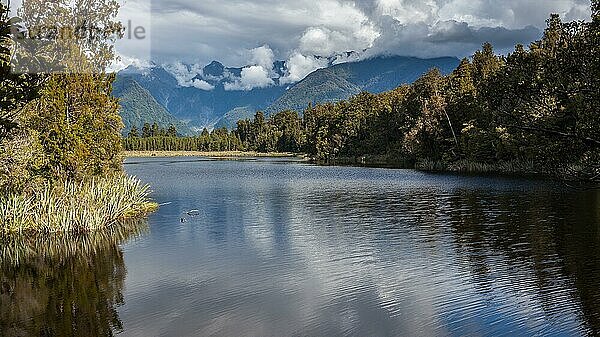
[[344, 80], [319, 87], [138, 106]]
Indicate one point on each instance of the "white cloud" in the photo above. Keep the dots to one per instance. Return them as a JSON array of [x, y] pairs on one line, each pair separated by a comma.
[[188, 75], [251, 77], [122, 62], [296, 30], [202, 85], [409, 11], [263, 57], [299, 66], [323, 41]]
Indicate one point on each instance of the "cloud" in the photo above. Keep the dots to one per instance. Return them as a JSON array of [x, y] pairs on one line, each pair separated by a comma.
[[188, 75], [299, 66], [251, 77], [324, 41], [202, 85], [122, 62], [198, 32], [408, 11], [263, 56]]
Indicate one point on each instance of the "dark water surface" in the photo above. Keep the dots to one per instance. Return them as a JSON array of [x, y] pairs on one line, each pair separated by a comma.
[[277, 248]]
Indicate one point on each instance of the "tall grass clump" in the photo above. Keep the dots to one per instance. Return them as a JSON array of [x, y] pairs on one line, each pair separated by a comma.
[[78, 207], [468, 166]]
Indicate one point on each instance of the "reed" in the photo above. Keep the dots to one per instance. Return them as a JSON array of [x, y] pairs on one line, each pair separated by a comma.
[[76, 207], [467, 166], [17, 249]]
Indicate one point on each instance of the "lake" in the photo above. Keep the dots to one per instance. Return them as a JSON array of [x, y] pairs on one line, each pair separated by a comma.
[[274, 247]]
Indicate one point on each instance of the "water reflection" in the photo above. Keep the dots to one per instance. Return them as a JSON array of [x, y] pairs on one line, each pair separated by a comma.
[[63, 285], [289, 249]]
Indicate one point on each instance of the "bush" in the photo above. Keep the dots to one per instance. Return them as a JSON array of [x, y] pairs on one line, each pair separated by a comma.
[[88, 206]]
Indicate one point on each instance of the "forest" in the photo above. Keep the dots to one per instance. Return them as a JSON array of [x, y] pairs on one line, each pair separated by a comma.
[[60, 143], [535, 110]]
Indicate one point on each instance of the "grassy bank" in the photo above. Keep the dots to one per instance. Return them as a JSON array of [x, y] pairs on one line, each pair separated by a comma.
[[216, 154], [383, 161], [514, 167], [89, 206]]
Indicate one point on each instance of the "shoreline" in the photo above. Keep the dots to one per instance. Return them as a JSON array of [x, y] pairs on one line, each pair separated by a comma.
[[215, 154], [514, 168]]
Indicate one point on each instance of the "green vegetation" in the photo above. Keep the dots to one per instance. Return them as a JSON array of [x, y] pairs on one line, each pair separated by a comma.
[[152, 138], [345, 80], [60, 143], [282, 133], [139, 107], [321, 86], [535, 110], [230, 119], [90, 205]]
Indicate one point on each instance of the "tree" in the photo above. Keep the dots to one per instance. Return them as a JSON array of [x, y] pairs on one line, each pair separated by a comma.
[[485, 64], [134, 133], [171, 131], [16, 89], [431, 126], [287, 125], [74, 118], [78, 125], [155, 130], [88, 27], [146, 131]]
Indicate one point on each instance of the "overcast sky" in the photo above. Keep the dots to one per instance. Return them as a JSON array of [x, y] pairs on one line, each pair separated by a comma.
[[199, 31]]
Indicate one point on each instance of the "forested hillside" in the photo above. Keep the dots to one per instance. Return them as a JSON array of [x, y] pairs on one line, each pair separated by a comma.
[[138, 107], [218, 105], [535, 110], [341, 81]]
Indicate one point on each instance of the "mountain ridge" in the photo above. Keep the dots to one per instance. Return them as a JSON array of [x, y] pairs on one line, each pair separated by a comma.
[[181, 91]]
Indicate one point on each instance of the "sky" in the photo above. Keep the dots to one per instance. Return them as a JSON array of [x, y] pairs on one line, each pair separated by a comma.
[[253, 33]]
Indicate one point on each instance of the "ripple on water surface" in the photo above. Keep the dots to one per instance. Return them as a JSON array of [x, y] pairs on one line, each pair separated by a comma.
[[278, 248], [294, 249]]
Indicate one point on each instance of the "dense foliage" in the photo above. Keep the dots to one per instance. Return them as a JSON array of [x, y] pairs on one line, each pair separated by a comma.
[[62, 124], [59, 124], [534, 110], [282, 132], [537, 107], [153, 138]]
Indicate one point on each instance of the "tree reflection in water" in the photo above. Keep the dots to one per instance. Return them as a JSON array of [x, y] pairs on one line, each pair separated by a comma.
[[553, 240], [63, 285]]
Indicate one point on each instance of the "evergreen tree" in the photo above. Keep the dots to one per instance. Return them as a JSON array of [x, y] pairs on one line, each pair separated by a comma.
[[146, 131], [171, 131], [155, 130], [134, 133], [16, 89], [73, 116]]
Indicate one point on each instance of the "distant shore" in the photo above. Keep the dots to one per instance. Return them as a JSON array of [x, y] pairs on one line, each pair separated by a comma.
[[216, 154]]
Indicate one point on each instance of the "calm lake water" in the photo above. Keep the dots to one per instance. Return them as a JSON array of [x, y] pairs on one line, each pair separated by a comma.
[[279, 248]]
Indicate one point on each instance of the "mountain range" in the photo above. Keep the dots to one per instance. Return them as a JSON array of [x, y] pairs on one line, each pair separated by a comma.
[[193, 98]]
